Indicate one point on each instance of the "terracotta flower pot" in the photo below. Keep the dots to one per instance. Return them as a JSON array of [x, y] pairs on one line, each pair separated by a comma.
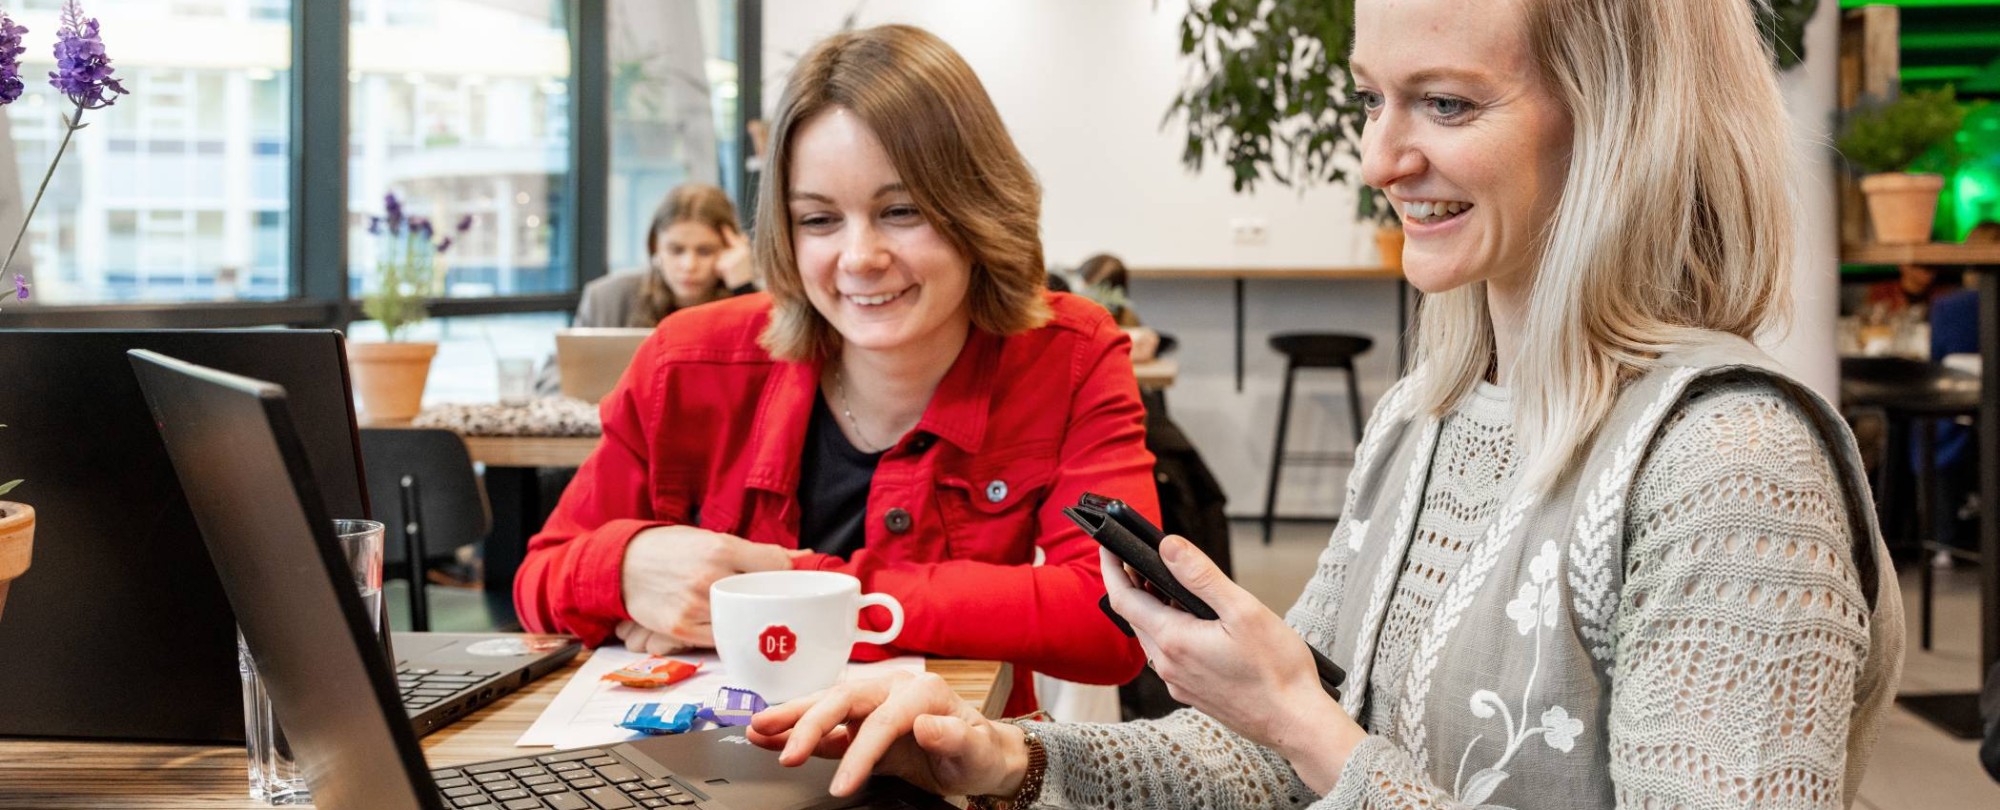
[[1902, 206], [1389, 240], [390, 378], [17, 539]]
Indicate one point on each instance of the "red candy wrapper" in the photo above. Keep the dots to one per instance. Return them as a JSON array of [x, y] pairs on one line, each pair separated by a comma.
[[652, 673]]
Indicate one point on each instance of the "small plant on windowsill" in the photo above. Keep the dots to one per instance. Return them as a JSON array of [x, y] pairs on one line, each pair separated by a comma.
[[83, 76], [409, 271]]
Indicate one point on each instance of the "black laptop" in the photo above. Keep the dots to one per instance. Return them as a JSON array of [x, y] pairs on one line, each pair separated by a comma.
[[253, 494], [121, 578]]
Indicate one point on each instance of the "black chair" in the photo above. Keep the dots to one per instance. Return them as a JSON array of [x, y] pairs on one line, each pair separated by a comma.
[[1913, 396], [423, 489], [1312, 350]]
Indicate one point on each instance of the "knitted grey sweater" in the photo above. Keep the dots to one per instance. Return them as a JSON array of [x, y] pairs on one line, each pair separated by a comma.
[[1748, 705]]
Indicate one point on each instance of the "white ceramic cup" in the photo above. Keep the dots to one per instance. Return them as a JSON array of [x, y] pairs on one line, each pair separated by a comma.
[[784, 634]]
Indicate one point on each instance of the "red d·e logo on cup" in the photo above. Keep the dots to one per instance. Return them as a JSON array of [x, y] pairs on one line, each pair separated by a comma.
[[777, 643]]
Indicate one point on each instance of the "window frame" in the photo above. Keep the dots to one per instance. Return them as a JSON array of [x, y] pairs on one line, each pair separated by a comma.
[[316, 159]]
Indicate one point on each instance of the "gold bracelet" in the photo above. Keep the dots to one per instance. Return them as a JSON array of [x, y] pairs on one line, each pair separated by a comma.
[[1031, 779]]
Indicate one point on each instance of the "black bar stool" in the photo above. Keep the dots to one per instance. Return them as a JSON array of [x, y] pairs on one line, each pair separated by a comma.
[[1311, 350]]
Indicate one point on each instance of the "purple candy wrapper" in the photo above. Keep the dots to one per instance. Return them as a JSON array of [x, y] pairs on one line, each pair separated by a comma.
[[734, 707]]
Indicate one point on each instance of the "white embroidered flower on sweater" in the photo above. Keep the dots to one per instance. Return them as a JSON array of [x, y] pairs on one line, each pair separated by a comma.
[[1538, 598], [1560, 729]]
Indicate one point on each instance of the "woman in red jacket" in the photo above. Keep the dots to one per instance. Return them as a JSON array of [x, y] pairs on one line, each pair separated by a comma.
[[906, 404]]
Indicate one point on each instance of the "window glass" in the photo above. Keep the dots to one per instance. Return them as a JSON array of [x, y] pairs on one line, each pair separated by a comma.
[[164, 195], [461, 108], [673, 88]]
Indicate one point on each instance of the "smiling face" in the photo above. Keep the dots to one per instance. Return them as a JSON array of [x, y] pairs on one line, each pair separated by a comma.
[[685, 254], [871, 263], [1461, 134]]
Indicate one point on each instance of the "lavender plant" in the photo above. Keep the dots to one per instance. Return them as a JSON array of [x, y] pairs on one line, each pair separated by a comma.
[[407, 266], [82, 75]]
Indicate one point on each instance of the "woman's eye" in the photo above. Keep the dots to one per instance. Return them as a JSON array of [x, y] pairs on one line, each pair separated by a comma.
[[1447, 107], [815, 221], [901, 213], [1370, 100]]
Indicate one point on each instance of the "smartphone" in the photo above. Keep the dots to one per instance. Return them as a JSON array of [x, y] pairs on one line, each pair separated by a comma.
[[1136, 541]]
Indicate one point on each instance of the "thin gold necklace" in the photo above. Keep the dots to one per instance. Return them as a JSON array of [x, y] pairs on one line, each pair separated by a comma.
[[840, 390]]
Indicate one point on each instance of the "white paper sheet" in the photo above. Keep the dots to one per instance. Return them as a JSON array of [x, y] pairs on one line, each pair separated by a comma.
[[588, 709]]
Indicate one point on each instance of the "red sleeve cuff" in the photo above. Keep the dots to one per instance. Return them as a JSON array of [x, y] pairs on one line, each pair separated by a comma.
[[598, 575]]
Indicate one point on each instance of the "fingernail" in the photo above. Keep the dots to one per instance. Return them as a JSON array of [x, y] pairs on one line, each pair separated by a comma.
[[1171, 549]]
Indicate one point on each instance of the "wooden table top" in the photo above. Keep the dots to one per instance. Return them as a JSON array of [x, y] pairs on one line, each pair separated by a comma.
[[59, 775], [1158, 372]]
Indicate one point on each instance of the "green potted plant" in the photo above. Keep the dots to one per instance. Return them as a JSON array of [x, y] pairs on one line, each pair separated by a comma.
[[1882, 141], [1271, 95], [409, 271]]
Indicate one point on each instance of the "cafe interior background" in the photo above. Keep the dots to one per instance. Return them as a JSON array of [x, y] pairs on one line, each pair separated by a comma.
[[234, 187]]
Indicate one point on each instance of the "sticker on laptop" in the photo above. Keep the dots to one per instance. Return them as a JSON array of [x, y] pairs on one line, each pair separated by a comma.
[[511, 647]]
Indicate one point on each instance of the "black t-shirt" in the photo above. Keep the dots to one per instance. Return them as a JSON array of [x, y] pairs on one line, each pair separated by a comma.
[[833, 487]]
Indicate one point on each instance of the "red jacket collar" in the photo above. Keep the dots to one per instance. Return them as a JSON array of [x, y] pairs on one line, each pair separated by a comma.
[[957, 411]]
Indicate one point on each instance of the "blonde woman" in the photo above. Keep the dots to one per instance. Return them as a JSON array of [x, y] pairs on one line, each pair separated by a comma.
[[906, 405], [1596, 552]]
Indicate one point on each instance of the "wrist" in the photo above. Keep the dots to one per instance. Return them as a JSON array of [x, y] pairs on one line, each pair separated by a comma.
[[1318, 749], [1013, 759], [1024, 762]]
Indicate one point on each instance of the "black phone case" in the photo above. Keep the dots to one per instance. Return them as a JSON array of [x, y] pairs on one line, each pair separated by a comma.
[[1143, 558], [1136, 541]]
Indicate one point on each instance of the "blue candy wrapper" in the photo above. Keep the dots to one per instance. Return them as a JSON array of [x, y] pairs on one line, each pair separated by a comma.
[[653, 718]]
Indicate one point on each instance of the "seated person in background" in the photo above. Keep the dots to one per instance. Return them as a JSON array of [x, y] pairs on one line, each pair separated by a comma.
[[1954, 318], [696, 254], [1104, 281], [1915, 285], [906, 404]]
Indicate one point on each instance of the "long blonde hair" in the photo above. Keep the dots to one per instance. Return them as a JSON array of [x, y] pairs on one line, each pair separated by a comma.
[[949, 146], [1675, 221]]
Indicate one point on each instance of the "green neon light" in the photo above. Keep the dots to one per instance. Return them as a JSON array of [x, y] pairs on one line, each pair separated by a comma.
[[1918, 3]]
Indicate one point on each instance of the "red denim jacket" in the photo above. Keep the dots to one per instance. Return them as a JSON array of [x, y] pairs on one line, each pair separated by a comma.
[[707, 429]]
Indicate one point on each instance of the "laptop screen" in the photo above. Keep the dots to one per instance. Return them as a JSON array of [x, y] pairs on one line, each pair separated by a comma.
[[253, 495], [117, 554]]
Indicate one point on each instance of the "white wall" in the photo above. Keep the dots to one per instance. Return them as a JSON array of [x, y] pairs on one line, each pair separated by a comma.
[[1811, 90], [1083, 86]]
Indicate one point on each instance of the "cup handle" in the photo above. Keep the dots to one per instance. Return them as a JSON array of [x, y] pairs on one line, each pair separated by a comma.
[[895, 620]]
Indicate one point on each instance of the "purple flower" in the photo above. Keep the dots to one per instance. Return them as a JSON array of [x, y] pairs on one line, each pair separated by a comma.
[[395, 209], [465, 224], [374, 226], [420, 226], [20, 287], [83, 72], [444, 244], [10, 58]]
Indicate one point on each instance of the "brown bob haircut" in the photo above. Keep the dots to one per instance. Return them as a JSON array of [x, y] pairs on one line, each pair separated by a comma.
[[946, 141], [699, 203]]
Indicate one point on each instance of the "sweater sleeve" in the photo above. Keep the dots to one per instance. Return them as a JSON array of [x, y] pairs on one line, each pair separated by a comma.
[[1741, 626], [1740, 634]]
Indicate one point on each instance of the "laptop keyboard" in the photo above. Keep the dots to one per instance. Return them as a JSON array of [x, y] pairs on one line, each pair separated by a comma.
[[584, 779], [423, 688]]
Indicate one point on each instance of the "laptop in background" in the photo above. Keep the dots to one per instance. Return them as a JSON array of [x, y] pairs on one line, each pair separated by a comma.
[[592, 359], [121, 577], [253, 494]]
